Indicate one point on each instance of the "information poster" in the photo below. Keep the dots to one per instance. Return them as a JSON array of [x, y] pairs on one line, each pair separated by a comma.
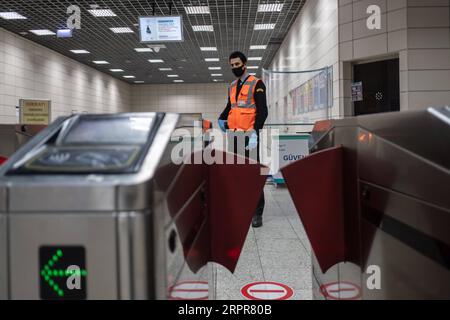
[[35, 112], [161, 29], [357, 91], [312, 95]]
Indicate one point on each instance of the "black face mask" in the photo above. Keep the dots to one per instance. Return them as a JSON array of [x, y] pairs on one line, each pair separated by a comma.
[[239, 71]]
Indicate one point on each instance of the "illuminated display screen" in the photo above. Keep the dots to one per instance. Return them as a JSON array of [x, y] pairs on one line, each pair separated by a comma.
[[161, 29], [62, 272]]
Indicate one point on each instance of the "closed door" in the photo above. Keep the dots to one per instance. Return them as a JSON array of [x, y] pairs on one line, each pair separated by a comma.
[[380, 86]]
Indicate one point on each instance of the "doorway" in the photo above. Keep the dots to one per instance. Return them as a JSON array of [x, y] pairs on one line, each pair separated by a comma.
[[380, 87]]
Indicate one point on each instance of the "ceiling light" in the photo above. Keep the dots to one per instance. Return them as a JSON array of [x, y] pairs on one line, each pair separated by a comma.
[[252, 74], [172, 76], [64, 33], [212, 59], [43, 32], [197, 10], [178, 80], [265, 26], [121, 30], [116, 70], [102, 13], [270, 7], [258, 47], [215, 68], [100, 62], [254, 58], [156, 61], [208, 49], [252, 67], [129, 77], [143, 50], [11, 16], [207, 28], [165, 69], [79, 51], [139, 81], [217, 80], [217, 75]]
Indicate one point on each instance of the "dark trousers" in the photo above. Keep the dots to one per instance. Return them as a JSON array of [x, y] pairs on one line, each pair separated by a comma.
[[233, 146]]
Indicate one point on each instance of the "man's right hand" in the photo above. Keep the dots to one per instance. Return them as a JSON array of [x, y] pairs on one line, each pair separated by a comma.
[[223, 125]]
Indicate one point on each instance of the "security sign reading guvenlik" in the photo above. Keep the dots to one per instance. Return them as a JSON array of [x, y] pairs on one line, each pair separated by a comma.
[[35, 112], [62, 273]]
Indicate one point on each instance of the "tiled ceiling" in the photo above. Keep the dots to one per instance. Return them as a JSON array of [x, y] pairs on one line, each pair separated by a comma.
[[233, 22]]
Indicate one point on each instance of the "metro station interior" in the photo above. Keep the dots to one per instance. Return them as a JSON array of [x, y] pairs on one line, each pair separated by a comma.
[[225, 150]]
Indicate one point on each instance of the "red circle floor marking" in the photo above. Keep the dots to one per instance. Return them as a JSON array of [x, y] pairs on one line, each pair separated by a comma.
[[343, 290], [267, 291], [189, 290]]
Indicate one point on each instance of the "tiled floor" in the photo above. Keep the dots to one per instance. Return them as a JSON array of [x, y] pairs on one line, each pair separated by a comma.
[[277, 252]]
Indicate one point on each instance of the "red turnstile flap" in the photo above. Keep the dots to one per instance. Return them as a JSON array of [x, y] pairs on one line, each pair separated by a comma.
[[233, 194], [3, 160], [316, 187]]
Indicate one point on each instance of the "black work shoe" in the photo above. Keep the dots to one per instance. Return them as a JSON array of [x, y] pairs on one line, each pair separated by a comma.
[[257, 222]]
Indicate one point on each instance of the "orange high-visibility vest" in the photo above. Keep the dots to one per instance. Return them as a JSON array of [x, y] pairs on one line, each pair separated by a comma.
[[242, 116]]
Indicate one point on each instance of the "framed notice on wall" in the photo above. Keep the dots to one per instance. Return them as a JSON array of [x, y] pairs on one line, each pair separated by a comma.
[[35, 111]]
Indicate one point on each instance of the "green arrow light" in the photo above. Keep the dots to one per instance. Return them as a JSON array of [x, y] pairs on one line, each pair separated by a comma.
[[48, 273]]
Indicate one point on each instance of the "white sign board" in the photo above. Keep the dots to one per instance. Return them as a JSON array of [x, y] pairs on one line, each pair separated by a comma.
[[161, 29], [291, 148]]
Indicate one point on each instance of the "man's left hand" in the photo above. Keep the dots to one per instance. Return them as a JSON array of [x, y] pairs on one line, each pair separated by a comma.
[[253, 142]]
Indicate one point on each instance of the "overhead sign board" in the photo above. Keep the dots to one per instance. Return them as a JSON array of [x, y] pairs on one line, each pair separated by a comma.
[[161, 29]]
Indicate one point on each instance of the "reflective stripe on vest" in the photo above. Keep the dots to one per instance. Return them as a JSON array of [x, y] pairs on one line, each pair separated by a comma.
[[248, 88]]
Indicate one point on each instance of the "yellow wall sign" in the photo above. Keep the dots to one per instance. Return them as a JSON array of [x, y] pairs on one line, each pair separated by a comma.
[[35, 112]]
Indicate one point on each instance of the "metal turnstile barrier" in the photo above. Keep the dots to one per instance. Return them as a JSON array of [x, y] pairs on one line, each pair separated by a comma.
[[95, 207], [374, 200]]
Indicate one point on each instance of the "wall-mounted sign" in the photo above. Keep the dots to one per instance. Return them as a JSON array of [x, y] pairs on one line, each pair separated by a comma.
[[35, 112], [357, 91], [161, 29]]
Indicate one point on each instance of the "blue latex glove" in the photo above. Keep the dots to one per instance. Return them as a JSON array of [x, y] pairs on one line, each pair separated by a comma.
[[222, 125], [253, 142]]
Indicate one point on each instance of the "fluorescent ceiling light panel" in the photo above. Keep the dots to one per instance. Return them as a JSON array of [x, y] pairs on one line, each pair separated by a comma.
[[43, 32], [258, 47], [100, 62], [270, 7], [165, 69], [252, 74], [102, 13], [172, 76], [208, 48], [254, 58], [216, 75], [252, 67], [212, 59], [265, 26], [197, 10], [12, 16], [121, 30], [143, 50], [207, 28], [156, 61], [215, 68], [178, 80], [139, 82], [129, 77], [79, 51], [116, 70]]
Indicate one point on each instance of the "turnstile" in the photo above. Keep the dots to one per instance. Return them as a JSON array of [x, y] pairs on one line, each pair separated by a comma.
[[101, 207], [374, 200]]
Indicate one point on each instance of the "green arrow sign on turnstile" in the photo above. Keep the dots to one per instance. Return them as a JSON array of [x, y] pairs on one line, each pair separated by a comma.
[[62, 272]]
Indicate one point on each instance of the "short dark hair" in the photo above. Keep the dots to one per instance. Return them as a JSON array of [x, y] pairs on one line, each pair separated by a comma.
[[240, 55]]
